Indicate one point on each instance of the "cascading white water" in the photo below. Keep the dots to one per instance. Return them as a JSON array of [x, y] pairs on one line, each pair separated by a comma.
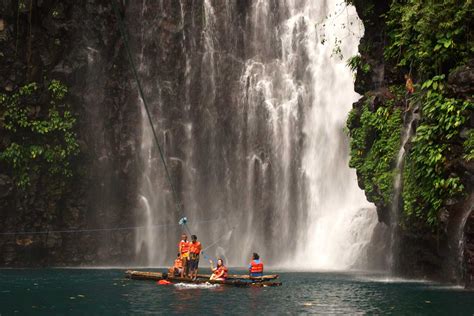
[[151, 192], [397, 187], [261, 135], [307, 83]]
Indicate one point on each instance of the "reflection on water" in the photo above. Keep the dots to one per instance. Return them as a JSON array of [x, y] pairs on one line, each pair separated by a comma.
[[66, 291]]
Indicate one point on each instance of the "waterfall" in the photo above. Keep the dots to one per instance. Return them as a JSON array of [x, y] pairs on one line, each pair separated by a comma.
[[252, 119], [152, 190], [397, 187]]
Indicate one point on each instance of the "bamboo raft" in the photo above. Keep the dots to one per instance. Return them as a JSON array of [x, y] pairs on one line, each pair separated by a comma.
[[232, 280]]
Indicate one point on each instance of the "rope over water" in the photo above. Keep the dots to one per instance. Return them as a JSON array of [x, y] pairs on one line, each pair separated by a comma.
[[183, 220], [123, 32], [91, 230]]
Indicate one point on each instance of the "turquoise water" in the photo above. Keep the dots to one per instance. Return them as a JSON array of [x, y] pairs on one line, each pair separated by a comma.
[[106, 292]]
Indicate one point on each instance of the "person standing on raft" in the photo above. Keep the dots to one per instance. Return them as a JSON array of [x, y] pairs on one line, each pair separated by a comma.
[[194, 251], [183, 249], [256, 266], [220, 272]]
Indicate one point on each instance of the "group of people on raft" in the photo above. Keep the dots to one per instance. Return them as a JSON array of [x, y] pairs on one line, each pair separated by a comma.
[[187, 262]]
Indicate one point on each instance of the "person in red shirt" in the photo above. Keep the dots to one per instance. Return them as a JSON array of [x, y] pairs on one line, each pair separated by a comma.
[[183, 250], [194, 251], [220, 272]]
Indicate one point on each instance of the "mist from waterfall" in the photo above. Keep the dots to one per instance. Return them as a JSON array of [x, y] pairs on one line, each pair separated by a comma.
[[255, 135]]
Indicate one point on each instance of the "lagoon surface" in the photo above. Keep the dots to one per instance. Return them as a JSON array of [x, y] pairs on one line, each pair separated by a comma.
[[107, 292]]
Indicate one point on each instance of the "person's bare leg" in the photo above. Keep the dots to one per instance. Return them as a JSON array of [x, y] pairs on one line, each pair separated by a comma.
[[184, 268]]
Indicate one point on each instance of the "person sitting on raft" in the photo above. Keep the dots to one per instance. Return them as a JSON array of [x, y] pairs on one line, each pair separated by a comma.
[[177, 268], [183, 249], [220, 272], [256, 266], [194, 251]]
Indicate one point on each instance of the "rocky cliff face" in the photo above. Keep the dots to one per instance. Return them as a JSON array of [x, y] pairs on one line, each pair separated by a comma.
[[79, 44], [420, 251]]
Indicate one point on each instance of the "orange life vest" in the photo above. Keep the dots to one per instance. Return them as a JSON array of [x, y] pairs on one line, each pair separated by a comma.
[[409, 86], [178, 263], [221, 269], [183, 246], [163, 282], [256, 267], [195, 247]]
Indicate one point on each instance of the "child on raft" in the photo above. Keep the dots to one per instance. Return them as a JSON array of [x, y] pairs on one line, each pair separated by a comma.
[[177, 268]]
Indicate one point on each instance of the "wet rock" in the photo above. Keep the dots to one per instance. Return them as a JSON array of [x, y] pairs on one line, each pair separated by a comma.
[[461, 80], [6, 186], [469, 251]]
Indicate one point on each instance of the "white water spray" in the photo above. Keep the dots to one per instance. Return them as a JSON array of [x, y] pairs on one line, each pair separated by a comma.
[[271, 160]]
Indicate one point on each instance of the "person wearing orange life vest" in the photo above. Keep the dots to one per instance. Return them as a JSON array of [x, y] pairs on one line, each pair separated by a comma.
[[183, 249], [177, 268], [409, 84], [256, 266], [220, 272], [410, 88], [194, 251]]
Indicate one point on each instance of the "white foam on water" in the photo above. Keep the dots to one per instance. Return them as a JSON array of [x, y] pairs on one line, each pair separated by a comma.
[[196, 286]]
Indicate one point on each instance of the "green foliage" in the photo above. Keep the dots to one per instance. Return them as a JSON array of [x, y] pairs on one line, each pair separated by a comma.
[[375, 141], [428, 182], [431, 36], [469, 146], [356, 62], [41, 135]]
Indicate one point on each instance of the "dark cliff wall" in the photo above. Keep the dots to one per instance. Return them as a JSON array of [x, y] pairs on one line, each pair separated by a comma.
[[421, 251], [79, 44]]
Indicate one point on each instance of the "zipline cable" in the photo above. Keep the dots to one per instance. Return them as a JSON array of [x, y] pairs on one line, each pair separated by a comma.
[[101, 229], [145, 104]]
